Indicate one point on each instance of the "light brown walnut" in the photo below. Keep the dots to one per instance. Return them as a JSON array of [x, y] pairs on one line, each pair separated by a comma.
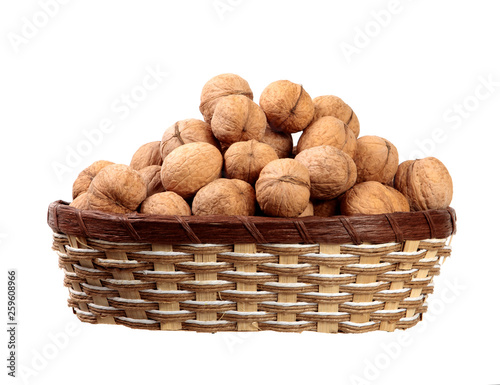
[[376, 159], [281, 142], [85, 177], [165, 203], [330, 105], [147, 155], [152, 178], [81, 202]]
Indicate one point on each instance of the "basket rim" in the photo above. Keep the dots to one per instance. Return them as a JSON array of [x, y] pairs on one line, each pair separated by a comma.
[[357, 229]]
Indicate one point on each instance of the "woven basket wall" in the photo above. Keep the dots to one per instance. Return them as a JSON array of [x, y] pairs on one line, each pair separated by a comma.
[[210, 274]]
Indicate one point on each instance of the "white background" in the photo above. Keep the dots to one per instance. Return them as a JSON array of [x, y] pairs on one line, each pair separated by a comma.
[[406, 67]]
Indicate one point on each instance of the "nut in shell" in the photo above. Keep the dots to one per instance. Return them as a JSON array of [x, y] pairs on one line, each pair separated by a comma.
[[165, 203], [376, 159], [330, 105], [332, 171], [152, 178], [288, 107], [190, 167], [218, 87], [225, 197], [236, 118], [245, 160], [81, 202], [147, 155], [117, 189], [281, 142], [426, 183], [283, 188], [327, 208], [85, 177]]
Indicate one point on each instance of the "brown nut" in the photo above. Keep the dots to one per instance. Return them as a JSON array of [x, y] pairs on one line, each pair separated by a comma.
[[165, 203], [186, 131], [327, 208], [328, 131], [426, 183], [332, 171], [117, 189], [282, 189], [85, 177], [147, 155], [370, 198], [219, 87], [80, 202], [281, 142], [152, 178], [288, 107], [309, 211], [245, 160], [225, 197], [236, 118], [190, 167], [330, 105], [376, 159], [399, 201]]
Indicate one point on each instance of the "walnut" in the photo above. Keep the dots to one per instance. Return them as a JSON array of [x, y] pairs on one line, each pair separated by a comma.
[[85, 177], [218, 87], [245, 160], [327, 208], [152, 178], [190, 167], [332, 171], [399, 201], [165, 203], [117, 189], [225, 197], [329, 131], [147, 155], [376, 159], [309, 211], [236, 118], [186, 131], [370, 198], [282, 142], [329, 105], [426, 183], [81, 202], [288, 107], [283, 188]]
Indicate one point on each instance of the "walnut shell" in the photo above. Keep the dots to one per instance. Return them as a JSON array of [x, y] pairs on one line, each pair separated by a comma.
[[327, 208], [147, 155], [81, 202], [190, 167], [283, 188], [165, 203], [330, 105], [399, 201], [332, 171], [152, 178], [309, 211], [236, 118], [426, 183], [376, 159], [85, 177], [328, 131], [245, 160], [117, 189], [288, 107], [281, 142], [186, 131], [225, 197], [219, 87], [370, 198]]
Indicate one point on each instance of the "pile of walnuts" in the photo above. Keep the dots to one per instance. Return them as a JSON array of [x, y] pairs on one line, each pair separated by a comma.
[[241, 160]]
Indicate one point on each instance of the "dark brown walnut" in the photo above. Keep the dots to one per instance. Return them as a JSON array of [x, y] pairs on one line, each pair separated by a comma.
[[152, 178], [309, 211], [327, 208], [281, 142], [186, 131], [332, 171], [328, 131], [245, 160], [85, 177], [370, 198], [283, 188], [81, 202], [165, 203], [190, 167], [426, 183], [330, 105], [288, 107], [117, 189], [219, 87], [225, 197], [147, 155], [236, 118], [376, 159]]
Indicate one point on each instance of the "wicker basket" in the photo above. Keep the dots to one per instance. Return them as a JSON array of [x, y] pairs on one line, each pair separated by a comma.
[[209, 274]]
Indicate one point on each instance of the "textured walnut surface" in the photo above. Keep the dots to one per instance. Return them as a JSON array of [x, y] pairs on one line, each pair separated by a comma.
[[330, 105], [86, 176], [147, 155], [165, 203], [376, 159]]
